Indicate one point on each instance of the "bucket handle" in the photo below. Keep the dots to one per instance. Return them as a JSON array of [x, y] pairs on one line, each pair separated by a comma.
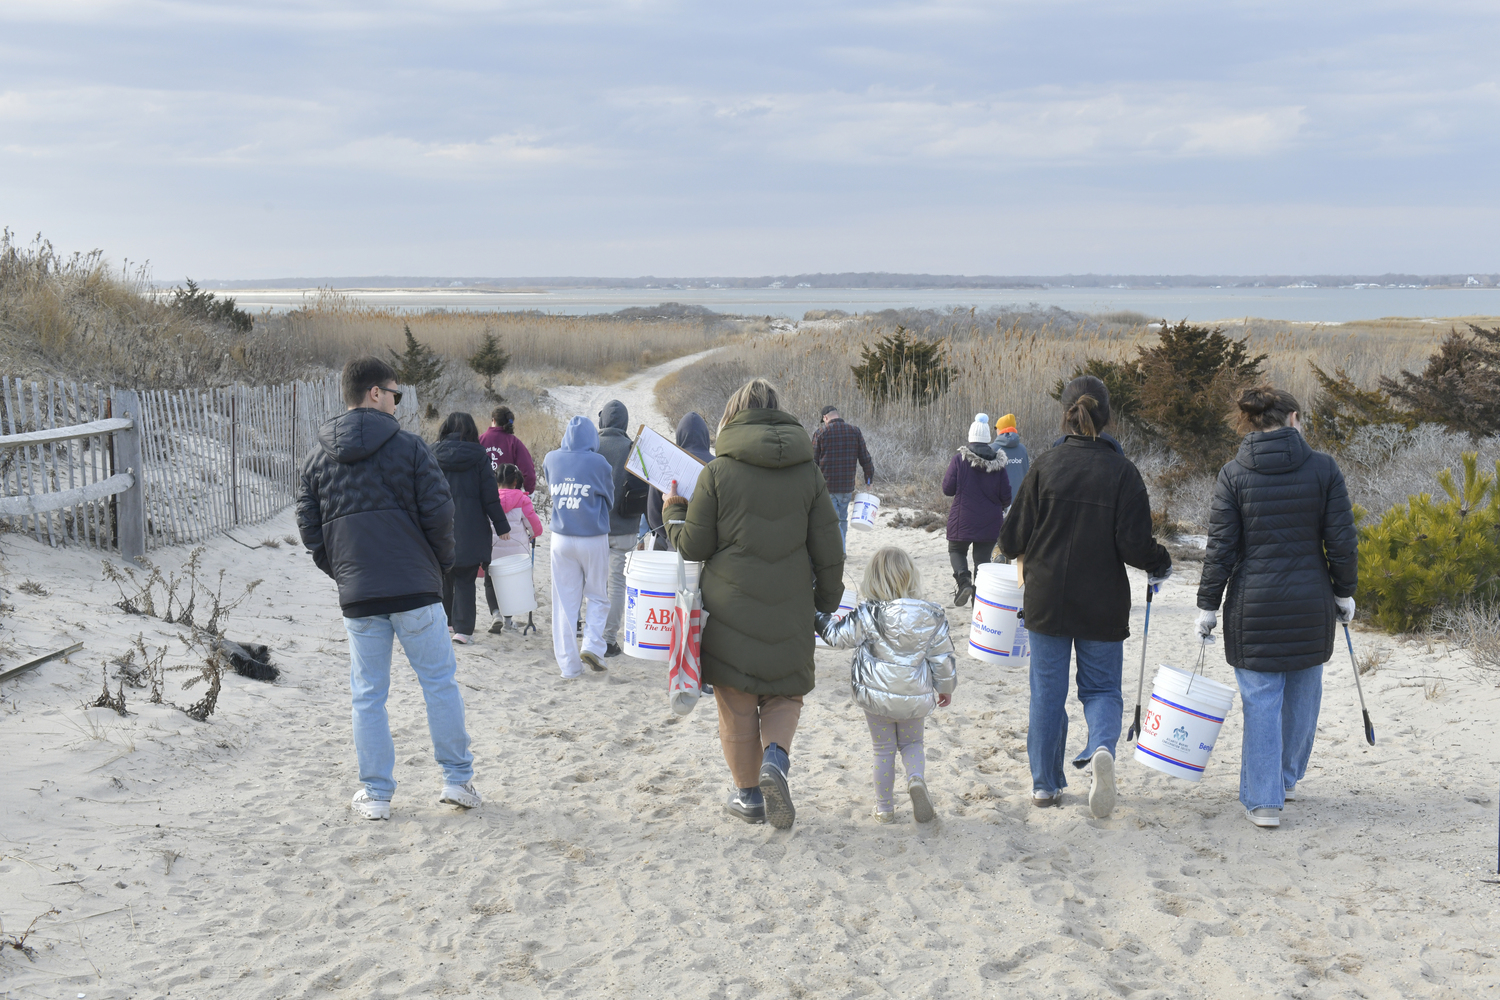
[[1201, 666]]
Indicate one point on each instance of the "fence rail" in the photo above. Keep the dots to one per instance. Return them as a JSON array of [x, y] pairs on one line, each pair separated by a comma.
[[82, 464]]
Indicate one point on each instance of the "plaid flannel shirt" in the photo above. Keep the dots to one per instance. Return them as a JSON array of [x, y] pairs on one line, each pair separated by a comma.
[[837, 447]]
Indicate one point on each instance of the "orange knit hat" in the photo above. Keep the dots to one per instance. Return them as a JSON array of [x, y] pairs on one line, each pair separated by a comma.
[[1007, 422]]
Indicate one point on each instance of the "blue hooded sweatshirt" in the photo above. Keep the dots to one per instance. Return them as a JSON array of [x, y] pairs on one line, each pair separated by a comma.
[[581, 482]]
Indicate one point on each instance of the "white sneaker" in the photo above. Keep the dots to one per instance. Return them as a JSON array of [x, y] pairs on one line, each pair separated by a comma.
[[1265, 817], [369, 808], [1102, 789], [461, 639], [465, 796], [921, 802]]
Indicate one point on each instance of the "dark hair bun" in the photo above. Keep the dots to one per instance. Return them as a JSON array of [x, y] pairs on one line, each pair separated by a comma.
[[1258, 400]]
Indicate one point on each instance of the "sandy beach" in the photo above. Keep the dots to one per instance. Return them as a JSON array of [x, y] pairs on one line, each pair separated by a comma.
[[221, 859]]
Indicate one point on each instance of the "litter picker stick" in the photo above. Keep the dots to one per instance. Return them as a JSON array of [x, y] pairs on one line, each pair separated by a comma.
[[30, 664], [1140, 684], [1369, 726]]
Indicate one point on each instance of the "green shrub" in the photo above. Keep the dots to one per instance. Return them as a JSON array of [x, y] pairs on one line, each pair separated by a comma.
[[1341, 408], [903, 366], [420, 367], [1460, 386], [1429, 555], [487, 362], [202, 304], [1121, 378]]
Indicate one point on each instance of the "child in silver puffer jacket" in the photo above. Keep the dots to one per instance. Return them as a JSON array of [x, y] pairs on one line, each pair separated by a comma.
[[903, 669]]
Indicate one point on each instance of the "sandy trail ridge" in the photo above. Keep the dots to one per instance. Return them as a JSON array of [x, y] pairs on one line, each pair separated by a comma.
[[221, 858]]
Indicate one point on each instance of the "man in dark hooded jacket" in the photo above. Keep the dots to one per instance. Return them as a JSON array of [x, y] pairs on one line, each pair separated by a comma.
[[614, 444], [374, 510]]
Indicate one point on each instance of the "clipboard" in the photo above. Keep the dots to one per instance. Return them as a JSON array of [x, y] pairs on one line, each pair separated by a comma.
[[659, 461]]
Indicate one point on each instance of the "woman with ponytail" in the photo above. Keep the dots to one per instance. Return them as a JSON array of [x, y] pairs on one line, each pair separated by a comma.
[[1079, 518], [506, 449], [1281, 540]]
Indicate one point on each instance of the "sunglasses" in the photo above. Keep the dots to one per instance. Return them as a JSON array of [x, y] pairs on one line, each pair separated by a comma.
[[393, 392]]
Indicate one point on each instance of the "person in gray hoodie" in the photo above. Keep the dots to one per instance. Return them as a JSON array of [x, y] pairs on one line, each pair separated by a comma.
[[582, 485], [614, 444], [692, 437]]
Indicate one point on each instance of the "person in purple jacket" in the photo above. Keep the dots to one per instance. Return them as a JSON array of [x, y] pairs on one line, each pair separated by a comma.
[[980, 487]]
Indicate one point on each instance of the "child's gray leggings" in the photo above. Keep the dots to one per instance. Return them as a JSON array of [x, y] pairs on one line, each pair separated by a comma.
[[889, 736]]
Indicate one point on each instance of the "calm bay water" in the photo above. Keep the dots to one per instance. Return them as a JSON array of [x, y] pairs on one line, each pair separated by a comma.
[[1321, 305]]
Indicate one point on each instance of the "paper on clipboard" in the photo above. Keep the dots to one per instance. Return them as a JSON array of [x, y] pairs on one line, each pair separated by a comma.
[[659, 461]]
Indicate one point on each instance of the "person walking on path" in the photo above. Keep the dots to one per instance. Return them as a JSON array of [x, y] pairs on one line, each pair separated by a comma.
[[904, 669], [1281, 540], [504, 447], [1090, 385], [516, 502], [760, 519], [374, 511], [838, 447], [1082, 516], [614, 444], [980, 487], [692, 437], [583, 489], [1009, 447], [476, 509]]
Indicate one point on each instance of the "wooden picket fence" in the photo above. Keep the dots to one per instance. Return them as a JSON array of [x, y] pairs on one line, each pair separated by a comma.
[[210, 459]]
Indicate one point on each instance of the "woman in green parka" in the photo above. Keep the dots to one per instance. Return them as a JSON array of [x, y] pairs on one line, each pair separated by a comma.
[[763, 525]]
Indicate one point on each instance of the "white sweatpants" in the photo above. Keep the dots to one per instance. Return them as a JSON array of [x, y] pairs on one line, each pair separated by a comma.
[[580, 568]]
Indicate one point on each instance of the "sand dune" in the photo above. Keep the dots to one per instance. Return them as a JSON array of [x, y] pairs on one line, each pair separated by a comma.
[[221, 858]]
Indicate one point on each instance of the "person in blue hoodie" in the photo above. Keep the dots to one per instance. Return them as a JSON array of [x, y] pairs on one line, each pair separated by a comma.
[[1008, 446], [582, 485]]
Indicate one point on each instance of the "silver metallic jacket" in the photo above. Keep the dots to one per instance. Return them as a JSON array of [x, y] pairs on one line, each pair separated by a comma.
[[904, 658]]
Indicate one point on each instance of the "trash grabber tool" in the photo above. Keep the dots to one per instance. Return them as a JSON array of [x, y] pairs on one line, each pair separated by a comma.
[[1140, 684], [1369, 726]]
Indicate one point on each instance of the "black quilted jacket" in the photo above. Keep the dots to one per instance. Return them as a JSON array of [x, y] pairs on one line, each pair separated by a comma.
[[374, 509], [1281, 538]]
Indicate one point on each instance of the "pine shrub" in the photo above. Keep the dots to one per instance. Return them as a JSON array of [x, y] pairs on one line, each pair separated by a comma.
[[488, 362], [903, 366], [1341, 409], [1429, 554], [420, 367], [1460, 386]]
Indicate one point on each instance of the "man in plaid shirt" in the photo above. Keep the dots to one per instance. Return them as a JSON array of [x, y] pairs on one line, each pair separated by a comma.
[[837, 447]]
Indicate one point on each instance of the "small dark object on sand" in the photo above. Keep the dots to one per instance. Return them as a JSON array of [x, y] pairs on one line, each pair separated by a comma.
[[249, 659]]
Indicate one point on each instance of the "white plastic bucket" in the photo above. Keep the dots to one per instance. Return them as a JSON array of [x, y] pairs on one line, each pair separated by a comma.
[[846, 605], [650, 600], [511, 576], [1181, 722], [996, 633], [862, 510]]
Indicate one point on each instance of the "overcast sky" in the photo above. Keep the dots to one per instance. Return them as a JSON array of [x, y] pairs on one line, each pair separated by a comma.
[[268, 138]]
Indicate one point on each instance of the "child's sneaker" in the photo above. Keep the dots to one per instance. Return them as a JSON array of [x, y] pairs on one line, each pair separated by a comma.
[[465, 796], [921, 803], [367, 808], [885, 816]]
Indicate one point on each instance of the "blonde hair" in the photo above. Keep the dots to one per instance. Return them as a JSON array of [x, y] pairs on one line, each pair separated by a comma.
[[756, 394], [891, 575]]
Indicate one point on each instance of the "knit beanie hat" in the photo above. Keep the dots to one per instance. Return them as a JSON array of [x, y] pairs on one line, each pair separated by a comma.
[[979, 430], [1088, 385], [1005, 423]]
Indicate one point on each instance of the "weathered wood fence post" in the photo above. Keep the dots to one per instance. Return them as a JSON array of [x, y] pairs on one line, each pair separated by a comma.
[[130, 505]]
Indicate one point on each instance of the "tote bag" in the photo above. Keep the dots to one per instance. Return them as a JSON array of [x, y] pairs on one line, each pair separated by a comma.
[[684, 662]]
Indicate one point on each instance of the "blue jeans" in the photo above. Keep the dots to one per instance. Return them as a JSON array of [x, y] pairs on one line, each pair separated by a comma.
[[841, 508], [1099, 668], [424, 637], [1281, 719]]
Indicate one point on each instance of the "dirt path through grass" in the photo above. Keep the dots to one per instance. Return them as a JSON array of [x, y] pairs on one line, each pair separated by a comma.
[[638, 393]]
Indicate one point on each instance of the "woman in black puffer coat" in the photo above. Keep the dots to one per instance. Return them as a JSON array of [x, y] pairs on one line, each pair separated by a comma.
[[476, 506], [1282, 540]]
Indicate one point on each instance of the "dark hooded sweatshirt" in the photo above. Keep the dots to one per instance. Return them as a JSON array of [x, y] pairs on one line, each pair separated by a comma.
[[476, 499], [692, 437], [614, 444], [1281, 538], [374, 510]]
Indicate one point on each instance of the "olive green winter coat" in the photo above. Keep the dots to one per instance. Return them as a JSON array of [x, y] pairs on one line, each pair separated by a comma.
[[762, 523]]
